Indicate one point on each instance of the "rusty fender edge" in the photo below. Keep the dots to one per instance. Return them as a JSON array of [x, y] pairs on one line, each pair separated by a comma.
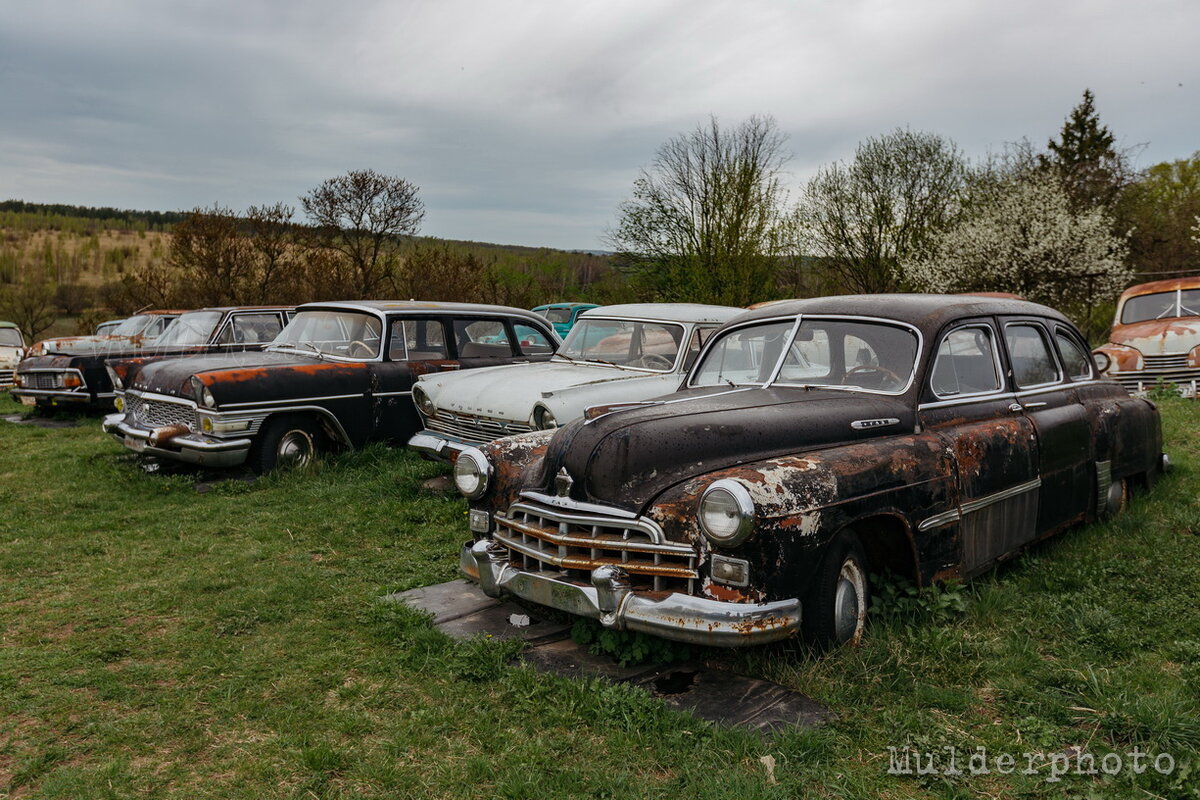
[[682, 617]]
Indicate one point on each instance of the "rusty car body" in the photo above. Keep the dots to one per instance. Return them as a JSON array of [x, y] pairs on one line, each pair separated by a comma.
[[12, 350], [82, 377], [815, 443], [1155, 337], [338, 375], [613, 354]]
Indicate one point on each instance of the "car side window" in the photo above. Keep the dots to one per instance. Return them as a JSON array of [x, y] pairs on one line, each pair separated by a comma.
[[532, 340], [482, 338], [251, 329], [1032, 362], [1074, 359], [417, 340], [966, 363]]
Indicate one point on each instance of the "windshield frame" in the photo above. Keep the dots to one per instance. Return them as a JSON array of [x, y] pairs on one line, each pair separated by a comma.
[[299, 349], [17, 333], [179, 322], [797, 320], [689, 329]]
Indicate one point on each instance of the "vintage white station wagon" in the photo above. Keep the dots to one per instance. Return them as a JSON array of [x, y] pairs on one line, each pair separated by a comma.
[[613, 354]]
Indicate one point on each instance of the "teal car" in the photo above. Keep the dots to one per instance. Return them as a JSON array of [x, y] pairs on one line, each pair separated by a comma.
[[563, 315]]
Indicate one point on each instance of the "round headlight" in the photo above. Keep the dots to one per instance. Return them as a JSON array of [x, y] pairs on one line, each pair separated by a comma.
[[207, 396], [472, 473], [119, 403], [543, 419], [424, 404], [726, 513], [114, 377]]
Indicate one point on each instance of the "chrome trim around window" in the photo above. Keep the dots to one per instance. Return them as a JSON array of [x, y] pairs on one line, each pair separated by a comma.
[[995, 362]]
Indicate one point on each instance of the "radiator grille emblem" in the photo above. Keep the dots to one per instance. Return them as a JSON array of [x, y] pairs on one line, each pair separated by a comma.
[[563, 483]]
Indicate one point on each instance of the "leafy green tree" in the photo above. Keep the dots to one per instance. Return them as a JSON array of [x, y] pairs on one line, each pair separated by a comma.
[[1159, 209], [1084, 158], [865, 218], [708, 219]]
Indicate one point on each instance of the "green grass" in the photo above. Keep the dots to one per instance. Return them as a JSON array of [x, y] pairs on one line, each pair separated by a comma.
[[157, 641]]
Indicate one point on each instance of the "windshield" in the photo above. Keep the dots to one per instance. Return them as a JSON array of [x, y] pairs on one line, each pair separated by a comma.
[[194, 328], [132, 326], [106, 328], [1161, 305], [839, 353], [559, 315], [10, 337], [344, 334], [626, 343]]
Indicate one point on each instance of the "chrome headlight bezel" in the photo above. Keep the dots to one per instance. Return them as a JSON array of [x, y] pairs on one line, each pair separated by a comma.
[[730, 500], [543, 419], [423, 403], [472, 473]]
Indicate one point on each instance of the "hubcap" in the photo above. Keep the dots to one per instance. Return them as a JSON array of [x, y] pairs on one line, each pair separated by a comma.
[[849, 602], [295, 450], [1115, 498]]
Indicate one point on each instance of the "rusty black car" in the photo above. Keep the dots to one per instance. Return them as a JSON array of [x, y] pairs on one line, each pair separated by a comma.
[[77, 372], [814, 444], [339, 375]]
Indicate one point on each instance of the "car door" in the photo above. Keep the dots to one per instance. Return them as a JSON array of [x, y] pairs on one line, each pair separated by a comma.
[[1051, 403], [970, 404], [416, 345], [483, 341]]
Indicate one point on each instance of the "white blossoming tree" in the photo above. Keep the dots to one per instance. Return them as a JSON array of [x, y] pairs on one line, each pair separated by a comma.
[[1019, 234]]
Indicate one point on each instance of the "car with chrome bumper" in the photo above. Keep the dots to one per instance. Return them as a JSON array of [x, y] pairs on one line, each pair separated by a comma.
[[12, 350], [84, 375], [1155, 337], [614, 354], [338, 375], [70, 370], [815, 444]]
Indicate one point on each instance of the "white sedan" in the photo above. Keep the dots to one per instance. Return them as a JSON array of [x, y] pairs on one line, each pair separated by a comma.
[[614, 354]]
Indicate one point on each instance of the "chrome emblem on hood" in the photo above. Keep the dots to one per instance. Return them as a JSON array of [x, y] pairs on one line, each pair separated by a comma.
[[563, 483], [864, 424]]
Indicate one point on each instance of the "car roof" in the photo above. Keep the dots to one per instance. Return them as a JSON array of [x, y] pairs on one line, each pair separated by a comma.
[[1168, 285], [919, 310], [563, 305], [416, 306], [4, 324], [670, 312], [224, 309]]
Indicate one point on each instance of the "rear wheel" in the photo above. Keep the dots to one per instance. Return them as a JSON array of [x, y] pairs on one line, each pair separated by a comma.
[[835, 607], [1117, 498], [289, 442]]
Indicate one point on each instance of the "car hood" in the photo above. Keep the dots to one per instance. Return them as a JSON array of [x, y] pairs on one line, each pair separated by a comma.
[[1159, 336], [628, 457], [253, 376], [86, 345], [510, 392]]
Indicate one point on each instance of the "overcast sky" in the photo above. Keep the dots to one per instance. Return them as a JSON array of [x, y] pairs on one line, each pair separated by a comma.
[[527, 122]]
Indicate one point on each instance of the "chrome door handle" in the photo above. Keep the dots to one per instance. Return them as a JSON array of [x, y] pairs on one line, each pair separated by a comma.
[[1034, 405]]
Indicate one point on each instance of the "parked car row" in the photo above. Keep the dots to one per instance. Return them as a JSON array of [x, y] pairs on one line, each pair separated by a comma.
[[709, 474]]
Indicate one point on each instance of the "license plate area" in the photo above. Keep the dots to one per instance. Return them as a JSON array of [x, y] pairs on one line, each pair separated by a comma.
[[136, 445]]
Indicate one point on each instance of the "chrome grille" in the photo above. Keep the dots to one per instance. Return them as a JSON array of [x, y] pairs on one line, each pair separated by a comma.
[[43, 380], [473, 429], [6, 377], [156, 414], [1165, 362], [1144, 379], [551, 540]]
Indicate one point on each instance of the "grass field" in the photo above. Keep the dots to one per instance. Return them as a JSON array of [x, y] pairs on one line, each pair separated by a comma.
[[160, 638]]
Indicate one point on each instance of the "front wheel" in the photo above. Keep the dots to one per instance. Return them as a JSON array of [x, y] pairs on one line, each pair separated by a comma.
[[290, 442], [835, 608]]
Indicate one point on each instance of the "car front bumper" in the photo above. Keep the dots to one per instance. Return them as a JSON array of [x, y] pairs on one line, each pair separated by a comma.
[[611, 600], [192, 448], [437, 446]]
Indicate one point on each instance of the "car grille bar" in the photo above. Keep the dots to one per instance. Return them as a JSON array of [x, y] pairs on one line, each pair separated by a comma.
[[1166, 372], [43, 380], [6, 377], [551, 540], [156, 413], [473, 429]]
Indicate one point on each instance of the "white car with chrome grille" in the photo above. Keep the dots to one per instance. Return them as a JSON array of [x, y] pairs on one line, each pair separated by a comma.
[[614, 354]]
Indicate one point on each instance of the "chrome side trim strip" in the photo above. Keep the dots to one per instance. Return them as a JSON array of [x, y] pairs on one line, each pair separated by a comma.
[[292, 400], [971, 506]]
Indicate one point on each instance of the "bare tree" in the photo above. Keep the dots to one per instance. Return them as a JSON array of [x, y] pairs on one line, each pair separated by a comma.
[[31, 305], [211, 260], [708, 220], [361, 216], [863, 218], [273, 249]]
